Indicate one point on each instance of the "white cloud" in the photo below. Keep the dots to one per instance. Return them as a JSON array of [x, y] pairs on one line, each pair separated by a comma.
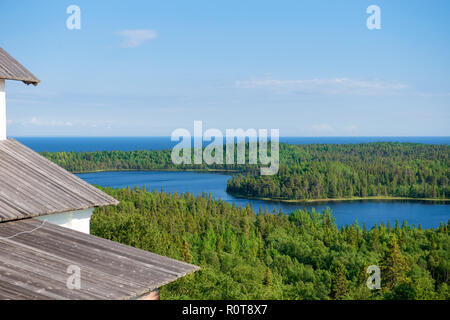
[[323, 127], [433, 95], [44, 123], [41, 122], [324, 85], [135, 38], [351, 128]]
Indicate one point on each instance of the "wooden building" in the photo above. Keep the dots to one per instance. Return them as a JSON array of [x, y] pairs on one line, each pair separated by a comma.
[[46, 251]]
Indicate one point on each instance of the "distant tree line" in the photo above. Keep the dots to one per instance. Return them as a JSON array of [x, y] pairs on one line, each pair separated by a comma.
[[79, 162], [245, 255], [306, 171]]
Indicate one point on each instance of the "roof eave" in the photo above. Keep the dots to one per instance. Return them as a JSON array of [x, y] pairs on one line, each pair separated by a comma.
[[26, 81], [34, 83]]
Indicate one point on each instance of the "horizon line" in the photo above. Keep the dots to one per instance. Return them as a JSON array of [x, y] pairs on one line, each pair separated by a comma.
[[288, 136]]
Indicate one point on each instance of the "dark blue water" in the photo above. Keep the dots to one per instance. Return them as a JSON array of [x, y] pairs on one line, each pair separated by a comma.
[[429, 215], [163, 143]]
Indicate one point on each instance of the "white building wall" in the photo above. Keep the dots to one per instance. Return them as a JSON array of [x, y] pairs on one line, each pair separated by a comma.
[[75, 220], [2, 110]]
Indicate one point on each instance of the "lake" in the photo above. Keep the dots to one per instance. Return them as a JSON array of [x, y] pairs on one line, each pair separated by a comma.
[[428, 214]]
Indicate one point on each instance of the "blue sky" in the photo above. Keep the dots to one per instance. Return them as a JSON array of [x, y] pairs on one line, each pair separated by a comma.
[[308, 68]]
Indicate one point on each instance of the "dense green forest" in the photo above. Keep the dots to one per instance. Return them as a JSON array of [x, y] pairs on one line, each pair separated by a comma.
[[306, 171], [79, 162], [346, 171], [245, 255]]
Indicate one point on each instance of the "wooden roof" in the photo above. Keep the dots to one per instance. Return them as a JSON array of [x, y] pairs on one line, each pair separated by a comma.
[[35, 256], [11, 69], [31, 185]]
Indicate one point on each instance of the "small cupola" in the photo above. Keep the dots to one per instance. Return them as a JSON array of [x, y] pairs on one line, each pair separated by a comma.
[[11, 69]]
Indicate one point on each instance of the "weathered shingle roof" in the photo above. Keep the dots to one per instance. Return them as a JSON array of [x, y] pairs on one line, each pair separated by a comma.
[[11, 69], [34, 258], [31, 185]]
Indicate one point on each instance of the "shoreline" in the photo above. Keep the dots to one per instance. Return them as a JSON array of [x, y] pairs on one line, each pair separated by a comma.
[[222, 171], [161, 170], [381, 198]]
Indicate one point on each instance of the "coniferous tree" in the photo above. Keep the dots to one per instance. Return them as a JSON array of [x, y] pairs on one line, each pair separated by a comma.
[[268, 278], [340, 282], [187, 257], [394, 266]]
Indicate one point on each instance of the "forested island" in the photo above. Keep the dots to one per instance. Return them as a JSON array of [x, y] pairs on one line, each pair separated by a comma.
[[245, 254], [379, 170], [307, 172]]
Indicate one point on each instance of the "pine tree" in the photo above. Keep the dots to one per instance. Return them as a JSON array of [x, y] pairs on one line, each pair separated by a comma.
[[219, 246], [394, 266], [268, 278], [187, 257], [340, 282]]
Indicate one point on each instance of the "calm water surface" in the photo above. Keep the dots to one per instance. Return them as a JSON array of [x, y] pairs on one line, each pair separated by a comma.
[[429, 215]]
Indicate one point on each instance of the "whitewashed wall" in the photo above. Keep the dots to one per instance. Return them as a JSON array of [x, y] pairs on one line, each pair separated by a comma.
[[75, 220], [2, 110]]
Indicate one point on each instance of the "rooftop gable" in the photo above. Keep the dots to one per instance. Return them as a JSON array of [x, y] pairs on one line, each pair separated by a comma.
[[31, 185], [11, 69]]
